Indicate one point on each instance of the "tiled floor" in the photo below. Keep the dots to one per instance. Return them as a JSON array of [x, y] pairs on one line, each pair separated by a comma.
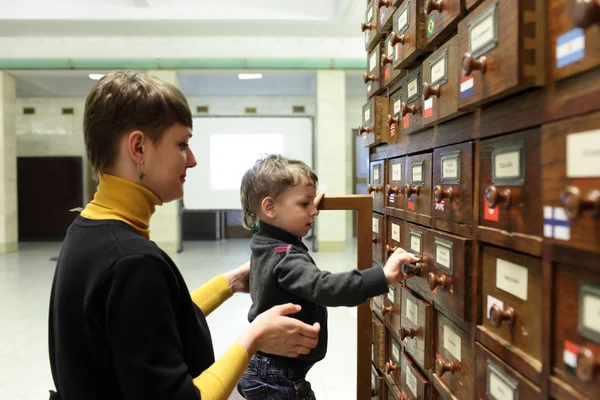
[[26, 276]]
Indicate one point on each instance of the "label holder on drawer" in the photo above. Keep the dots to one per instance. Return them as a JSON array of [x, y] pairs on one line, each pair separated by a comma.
[[404, 17], [517, 179], [494, 372], [447, 179], [587, 290], [416, 235], [421, 165], [414, 86], [447, 245], [490, 44], [440, 80]]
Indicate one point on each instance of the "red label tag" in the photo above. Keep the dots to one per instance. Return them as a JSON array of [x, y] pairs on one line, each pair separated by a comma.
[[491, 214], [387, 73], [411, 203], [406, 121], [428, 111], [393, 130], [404, 396]]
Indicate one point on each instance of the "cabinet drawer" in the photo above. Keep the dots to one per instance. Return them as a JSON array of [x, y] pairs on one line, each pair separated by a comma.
[[571, 182], [454, 362], [376, 187], [496, 380], [574, 31], [395, 235], [441, 19], [412, 102], [375, 129], [512, 308], [395, 114], [379, 346], [378, 237], [391, 307], [414, 384], [390, 74], [416, 331], [378, 386], [440, 84], [408, 34], [417, 190], [372, 26], [453, 188], [386, 14], [502, 50], [511, 212], [450, 271], [374, 78], [395, 187], [392, 368], [417, 242], [576, 347]]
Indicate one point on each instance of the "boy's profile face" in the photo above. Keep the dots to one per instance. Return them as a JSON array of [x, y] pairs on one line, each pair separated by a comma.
[[294, 209]]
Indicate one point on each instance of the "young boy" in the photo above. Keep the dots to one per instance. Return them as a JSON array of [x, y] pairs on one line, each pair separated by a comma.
[[279, 194]]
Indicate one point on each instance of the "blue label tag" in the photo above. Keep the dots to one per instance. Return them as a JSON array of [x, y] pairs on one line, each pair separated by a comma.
[[570, 47]]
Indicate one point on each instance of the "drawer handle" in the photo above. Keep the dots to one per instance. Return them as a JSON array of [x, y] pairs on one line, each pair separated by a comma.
[[409, 190], [431, 5], [385, 60], [497, 316], [469, 64], [495, 197], [386, 309], [393, 120], [411, 269], [407, 332], [587, 364], [384, 3], [575, 203], [367, 78], [398, 39], [441, 367], [364, 27], [413, 109], [375, 188], [364, 129], [438, 280], [392, 190], [586, 13], [429, 91], [390, 250], [390, 367], [440, 193]]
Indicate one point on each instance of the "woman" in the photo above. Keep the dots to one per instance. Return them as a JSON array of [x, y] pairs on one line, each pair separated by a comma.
[[122, 323]]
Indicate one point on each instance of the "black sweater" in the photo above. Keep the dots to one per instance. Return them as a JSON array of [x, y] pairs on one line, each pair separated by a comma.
[[282, 271], [122, 324]]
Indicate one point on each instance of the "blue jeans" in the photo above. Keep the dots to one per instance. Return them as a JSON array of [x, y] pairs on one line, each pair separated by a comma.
[[270, 379]]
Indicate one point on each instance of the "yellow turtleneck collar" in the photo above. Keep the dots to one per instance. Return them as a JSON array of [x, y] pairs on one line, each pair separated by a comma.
[[123, 200]]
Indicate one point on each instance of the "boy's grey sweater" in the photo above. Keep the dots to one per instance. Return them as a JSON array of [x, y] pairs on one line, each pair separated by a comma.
[[282, 271]]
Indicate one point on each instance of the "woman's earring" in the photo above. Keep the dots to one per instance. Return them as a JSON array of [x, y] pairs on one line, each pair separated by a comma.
[[141, 175]]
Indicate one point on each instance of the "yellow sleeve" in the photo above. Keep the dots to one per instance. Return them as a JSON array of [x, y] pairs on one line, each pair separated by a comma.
[[212, 294], [219, 381]]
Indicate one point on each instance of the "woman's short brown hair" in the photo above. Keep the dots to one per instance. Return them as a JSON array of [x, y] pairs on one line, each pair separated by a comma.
[[270, 176], [124, 101]]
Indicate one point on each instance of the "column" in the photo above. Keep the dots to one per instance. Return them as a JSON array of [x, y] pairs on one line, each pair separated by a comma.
[[165, 224], [9, 228], [331, 142]]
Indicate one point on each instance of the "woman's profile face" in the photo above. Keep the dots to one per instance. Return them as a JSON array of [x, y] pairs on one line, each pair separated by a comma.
[[166, 163]]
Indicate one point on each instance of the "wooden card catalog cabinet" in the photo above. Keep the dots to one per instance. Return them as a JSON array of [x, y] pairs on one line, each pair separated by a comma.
[[414, 384], [393, 366], [375, 129], [512, 309], [395, 115], [376, 187], [510, 192], [571, 182], [412, 102], [371, 27], [441, 19], [573, 35], [576, 329], [440, 84], [453, 188], [496, 380], [454, 371], [374, 78], [417, 190], [417, 329], [417, 242], [390, 74], [408, 34], [450, 272], [391, 307], [394, 190], [378, 237], [502, 50], [379, 354]]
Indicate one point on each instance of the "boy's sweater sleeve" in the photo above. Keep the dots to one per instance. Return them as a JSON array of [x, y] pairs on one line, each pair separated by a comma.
[[298, 275]]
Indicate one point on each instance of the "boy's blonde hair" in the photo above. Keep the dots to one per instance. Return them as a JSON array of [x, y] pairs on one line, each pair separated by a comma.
[[270, 176]]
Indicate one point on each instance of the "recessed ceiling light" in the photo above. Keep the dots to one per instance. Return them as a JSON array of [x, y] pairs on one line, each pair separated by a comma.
[[250, 76], [96, 76]]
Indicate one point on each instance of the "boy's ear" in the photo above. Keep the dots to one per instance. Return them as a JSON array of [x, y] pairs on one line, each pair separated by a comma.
[[268, 207]]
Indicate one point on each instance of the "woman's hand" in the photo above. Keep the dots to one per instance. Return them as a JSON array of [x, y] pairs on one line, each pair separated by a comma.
[[239, 278], [393, 266], [274, 333]]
